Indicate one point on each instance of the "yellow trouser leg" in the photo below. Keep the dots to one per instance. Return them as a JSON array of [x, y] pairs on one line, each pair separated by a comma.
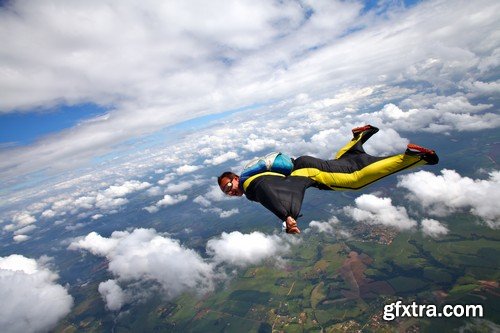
[[363, 177], [348, 146]]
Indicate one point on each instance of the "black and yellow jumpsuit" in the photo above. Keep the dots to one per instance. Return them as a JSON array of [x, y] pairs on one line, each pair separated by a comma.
[[352, 169]]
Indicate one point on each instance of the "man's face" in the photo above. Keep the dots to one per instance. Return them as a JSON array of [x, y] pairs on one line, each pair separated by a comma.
[[231, 186]]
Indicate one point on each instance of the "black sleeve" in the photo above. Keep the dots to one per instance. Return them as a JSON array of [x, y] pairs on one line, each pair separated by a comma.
[[282, 196]]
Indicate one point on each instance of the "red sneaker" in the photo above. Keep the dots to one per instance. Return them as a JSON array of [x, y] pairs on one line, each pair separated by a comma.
[[368, 131], [361, 129], [416, 148], [428, 155]]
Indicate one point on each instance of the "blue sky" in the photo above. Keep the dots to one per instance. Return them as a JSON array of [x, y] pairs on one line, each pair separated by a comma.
[[18, 129]]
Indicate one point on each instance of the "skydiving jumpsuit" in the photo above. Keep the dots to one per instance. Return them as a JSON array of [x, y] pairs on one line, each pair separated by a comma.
[[352, 169]]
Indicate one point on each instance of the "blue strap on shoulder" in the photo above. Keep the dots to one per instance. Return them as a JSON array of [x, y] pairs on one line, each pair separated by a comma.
[[275, 162]]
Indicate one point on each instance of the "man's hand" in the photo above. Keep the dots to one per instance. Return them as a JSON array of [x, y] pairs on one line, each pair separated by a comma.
[[291, 226]]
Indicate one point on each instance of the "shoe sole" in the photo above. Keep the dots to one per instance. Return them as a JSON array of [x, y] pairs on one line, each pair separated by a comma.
[[420, 149], [428, 155], [358, 130]]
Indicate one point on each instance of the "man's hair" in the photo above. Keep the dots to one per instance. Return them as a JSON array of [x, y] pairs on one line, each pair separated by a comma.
[[227, 174]]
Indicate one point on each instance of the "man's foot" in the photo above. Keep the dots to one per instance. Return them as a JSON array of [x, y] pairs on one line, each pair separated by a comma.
[[291, 226], [428, 155], [358, 130]]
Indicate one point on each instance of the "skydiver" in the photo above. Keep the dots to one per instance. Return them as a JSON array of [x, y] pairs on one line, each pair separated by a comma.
[[279, 182]]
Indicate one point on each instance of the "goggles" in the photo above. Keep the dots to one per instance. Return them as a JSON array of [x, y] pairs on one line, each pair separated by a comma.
[[228, 187]]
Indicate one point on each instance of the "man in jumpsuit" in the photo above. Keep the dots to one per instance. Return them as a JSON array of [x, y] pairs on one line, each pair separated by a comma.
[[352, 169]]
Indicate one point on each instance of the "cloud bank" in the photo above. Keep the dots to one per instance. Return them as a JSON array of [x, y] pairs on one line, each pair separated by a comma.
[[112, 294], [32, 301], [245, 249], [433, 228], [146, 257], [331, 227], [167, 200], [374, 210], [450, 192]]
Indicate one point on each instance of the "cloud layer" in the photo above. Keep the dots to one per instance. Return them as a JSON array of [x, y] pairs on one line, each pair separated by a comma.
[[315, 56]]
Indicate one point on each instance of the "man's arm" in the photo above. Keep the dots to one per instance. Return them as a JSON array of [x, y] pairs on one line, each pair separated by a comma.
[[281, 195]]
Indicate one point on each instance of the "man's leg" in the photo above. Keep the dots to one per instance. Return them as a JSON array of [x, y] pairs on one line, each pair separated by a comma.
[[360, 136], [371, 172], [354, 169]]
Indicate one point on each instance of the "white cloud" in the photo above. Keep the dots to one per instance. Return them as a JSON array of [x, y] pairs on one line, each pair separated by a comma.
[[25, 230], [433, 228], [143, 255], [82, 203], [124, 189], [449, 192], [202, 201], [87, 202], [322, 226], [9, 227], [73, 227], [112, 294], [328, 227], [169, 200], [49, 213], [223, 214], [387, 142], [483, 88], [166, 179], [230, 155], [180, 187], [436, 114], [20, 238], [228, 213], [23, 219], [215, 194], [186, 168], [255, 144], [105, 203], [246, 249], [374, 210], [154, 191], [96, 244], [106, 200], [152, 209], [33, 301], [21, 222]]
